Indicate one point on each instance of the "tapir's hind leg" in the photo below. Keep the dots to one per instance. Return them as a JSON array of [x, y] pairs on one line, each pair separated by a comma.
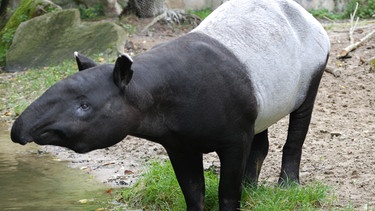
[[299, 121], [259, 150], [292, 151]]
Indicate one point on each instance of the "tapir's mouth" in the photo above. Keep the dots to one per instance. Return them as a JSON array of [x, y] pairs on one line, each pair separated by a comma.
[[49, 137]]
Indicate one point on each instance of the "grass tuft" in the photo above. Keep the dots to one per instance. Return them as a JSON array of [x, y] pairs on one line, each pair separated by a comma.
[[158, 189], [313, 196]]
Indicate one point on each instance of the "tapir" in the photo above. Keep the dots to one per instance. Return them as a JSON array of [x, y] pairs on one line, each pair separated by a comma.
[[215, 89]]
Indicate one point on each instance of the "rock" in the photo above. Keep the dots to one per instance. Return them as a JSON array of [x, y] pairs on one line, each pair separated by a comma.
[[25, 10], [52, 38], [110, 8]]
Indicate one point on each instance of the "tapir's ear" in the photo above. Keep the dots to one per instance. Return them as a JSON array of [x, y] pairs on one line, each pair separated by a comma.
[[83, 62], [122, 73]]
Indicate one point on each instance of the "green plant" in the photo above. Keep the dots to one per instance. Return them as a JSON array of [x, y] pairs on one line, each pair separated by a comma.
[[130, 29], [7, 37], [201, 13], [24, 12], [324, 13], [94, 12], [366, 8], [7, 33]]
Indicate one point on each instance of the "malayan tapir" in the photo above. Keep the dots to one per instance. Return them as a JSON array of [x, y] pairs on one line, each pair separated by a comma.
[[217, 88]]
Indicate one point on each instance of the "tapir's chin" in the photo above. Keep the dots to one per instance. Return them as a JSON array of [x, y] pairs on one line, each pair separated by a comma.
[[23, 141], [81, 150]]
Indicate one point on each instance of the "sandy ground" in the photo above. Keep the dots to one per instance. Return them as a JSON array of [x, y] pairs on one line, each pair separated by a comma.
[[339, 150]]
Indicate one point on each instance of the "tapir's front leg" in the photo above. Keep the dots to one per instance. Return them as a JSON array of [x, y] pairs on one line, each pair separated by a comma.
[[233, 160], [188, 168]]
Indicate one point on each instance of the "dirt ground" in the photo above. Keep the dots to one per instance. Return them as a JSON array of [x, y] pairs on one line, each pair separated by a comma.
[[339, 150]]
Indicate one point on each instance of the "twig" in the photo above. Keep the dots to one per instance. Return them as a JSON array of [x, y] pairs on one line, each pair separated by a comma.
[[352, 24], [334, 72], [174, 16], [344, 52], [329, 19]]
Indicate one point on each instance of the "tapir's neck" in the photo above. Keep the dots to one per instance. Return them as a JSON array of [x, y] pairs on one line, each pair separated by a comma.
[[145, 94]]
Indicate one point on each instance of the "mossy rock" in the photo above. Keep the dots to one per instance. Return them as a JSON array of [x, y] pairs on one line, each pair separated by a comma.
[[26, 10], [52, 38]]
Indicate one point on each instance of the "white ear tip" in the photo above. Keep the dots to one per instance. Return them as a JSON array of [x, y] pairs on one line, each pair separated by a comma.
[[127, 56]]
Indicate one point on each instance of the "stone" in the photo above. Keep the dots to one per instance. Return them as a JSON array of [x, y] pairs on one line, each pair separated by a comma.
[[49, 39], [111, 8]]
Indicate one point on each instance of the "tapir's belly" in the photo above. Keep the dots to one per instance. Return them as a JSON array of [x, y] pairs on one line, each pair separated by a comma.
[[280, 51]]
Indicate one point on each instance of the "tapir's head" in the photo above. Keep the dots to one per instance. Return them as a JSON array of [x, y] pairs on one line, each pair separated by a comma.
[[86, 111]]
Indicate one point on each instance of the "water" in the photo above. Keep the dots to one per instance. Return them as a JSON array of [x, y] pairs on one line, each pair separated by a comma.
[[31, 181]]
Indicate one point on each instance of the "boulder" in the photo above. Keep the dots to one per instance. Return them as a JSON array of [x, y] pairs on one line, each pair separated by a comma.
[[52, 38], [25, 10], [110, 8]]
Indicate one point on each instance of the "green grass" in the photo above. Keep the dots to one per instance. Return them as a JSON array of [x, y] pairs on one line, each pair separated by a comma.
[[95, 12], [18, 90], [366, 10], [324, 13], [25, 11], [314, 196], [158, 190], [201, 13]]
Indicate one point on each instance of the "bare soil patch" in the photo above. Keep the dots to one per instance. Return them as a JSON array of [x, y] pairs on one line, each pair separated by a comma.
[[339, 150]]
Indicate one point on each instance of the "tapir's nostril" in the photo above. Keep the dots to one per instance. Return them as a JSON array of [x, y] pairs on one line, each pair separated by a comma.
[[18, 135], [15, 132]]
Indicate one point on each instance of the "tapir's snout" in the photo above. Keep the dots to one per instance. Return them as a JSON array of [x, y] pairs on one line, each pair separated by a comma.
[[18, 134]]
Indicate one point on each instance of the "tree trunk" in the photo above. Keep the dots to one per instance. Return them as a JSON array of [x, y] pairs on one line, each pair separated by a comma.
[[145, 8], [3, 12]]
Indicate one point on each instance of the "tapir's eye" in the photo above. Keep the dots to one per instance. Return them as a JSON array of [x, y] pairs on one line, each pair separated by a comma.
[[83, 109], [84, 106]]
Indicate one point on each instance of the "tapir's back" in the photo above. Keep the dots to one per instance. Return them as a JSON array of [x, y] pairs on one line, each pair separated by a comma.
[[281, 45]]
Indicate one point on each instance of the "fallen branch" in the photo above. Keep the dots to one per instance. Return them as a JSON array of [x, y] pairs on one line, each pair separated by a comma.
[[344, 52], [334, 72], [155, 20]]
